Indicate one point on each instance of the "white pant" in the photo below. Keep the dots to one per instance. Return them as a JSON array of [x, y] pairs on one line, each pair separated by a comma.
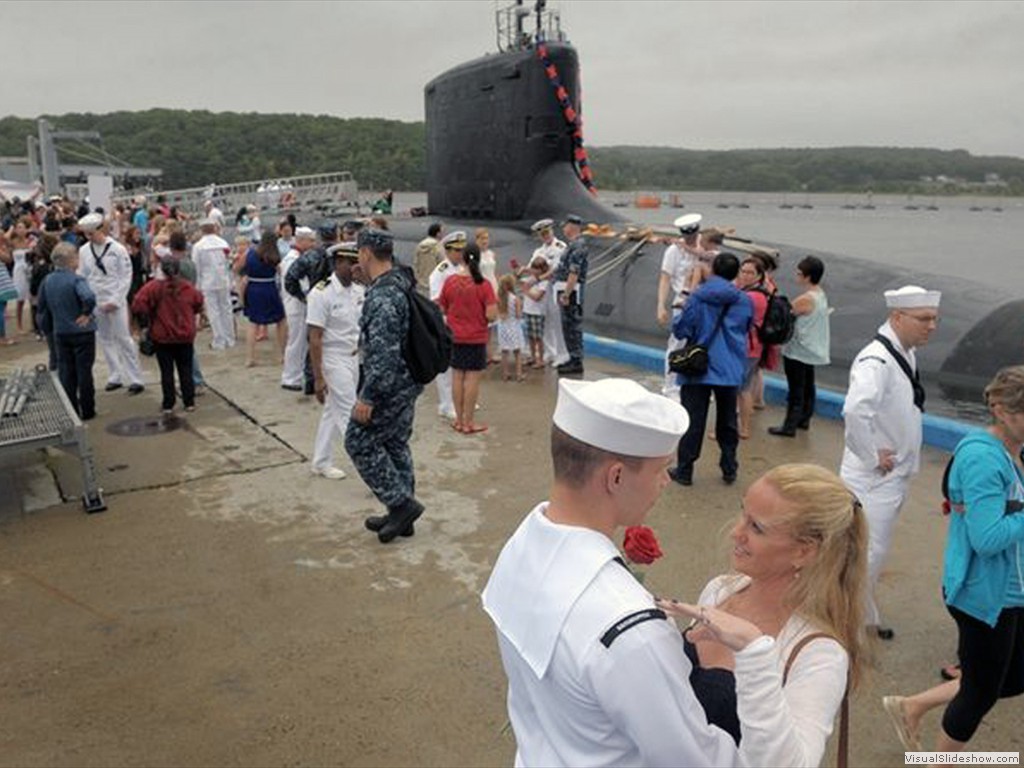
[[118, 347], [295, 351], [555, 352], [882, 500], [217, 302], [341, 372], [670, 388], [445, 401]]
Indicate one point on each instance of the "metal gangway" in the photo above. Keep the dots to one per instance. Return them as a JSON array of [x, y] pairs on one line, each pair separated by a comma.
[[328, 194]]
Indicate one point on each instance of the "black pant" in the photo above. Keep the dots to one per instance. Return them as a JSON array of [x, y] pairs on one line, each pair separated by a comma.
[[695, 399], [572, 331], [800, 401], [169, 357], [991, 668], [76, 352]]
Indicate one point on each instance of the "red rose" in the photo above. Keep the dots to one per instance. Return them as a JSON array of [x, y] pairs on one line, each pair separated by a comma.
[[641, 545]]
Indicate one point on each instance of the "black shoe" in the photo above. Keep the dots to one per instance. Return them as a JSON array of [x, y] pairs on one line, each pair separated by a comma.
[[376, 522], [112, 386], [804, 425], [309, 390], [399, 518], [782, 431], [570, 369], [885, 633], [728, 478], [88, 416], [134, 389], [292, 387], [683, 478]]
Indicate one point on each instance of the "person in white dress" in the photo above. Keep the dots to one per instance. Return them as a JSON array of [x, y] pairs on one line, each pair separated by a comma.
[[107, 267], [883, 424], [332, 316], [295, 311], [551, 249]]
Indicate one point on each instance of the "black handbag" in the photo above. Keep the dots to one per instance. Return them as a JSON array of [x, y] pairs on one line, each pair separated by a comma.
[[146, 345], [692, 360]]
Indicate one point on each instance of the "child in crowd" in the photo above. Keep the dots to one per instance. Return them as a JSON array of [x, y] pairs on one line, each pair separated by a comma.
[[510, 329], [534, 289]]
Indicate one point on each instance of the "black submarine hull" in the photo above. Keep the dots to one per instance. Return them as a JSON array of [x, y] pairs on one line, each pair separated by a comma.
[[500, 154]]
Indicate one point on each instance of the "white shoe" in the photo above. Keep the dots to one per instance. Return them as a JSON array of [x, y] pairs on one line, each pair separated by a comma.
[[446, 414], [331, 473]]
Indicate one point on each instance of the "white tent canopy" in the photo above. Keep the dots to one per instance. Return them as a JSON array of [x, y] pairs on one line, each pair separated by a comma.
[[16, 189]]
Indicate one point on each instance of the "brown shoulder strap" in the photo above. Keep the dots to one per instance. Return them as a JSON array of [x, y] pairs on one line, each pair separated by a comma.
[[842, 759]]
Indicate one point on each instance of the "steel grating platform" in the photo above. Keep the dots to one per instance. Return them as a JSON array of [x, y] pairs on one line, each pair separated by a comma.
[[48, 420]]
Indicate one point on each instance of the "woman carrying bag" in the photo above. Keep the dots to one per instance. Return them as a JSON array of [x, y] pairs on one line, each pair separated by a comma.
[[171, 306]]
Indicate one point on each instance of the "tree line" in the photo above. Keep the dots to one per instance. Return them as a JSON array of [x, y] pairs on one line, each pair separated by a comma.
[[195, 148]]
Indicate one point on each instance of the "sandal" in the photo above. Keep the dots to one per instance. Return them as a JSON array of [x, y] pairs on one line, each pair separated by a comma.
[[521, 377], [893, 706], [474, 429], [950, 672], [457, 426]]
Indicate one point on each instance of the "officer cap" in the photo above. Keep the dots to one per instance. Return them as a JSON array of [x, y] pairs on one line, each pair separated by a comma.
[[344, 250], [456, 241], [540, 226], [377, 240], [90, 223], [689, 223], [620, 416], [912, 297], [572, 218]]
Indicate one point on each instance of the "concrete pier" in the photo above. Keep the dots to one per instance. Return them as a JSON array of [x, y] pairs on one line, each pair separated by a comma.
[[230, 609]]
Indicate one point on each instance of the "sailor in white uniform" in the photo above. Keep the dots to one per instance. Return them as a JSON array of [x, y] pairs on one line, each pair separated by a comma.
[[673, 280], [212, 257], [453, 244], [597, 674], [295, 310], [107, 267], [883, 423], [551, 249], [332, 316]]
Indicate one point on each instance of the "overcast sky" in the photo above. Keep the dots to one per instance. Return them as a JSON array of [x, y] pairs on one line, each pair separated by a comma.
[[700, 75]]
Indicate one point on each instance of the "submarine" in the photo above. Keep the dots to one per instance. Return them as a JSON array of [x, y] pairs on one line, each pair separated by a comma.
[[504, 148]]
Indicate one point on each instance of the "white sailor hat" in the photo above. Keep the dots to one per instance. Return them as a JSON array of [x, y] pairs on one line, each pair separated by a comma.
[[91, 223], [912, 297], [305, 232], [620, 416], [689, 223], [208, 222], [456, 240], [540, 226]]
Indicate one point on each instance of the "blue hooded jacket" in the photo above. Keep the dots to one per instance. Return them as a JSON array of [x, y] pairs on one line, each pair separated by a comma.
[[727, 350]]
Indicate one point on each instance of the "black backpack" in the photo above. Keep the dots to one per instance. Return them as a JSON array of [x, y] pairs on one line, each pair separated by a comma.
[[779, 320], [428, 345]]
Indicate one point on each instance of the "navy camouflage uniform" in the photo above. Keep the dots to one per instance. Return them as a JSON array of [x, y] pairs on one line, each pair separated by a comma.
[[573, 260], [380, 450]]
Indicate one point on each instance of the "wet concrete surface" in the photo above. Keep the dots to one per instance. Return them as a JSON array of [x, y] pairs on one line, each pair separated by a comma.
[[230, 609]]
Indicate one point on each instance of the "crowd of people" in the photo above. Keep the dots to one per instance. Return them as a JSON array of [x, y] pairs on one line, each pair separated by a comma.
[[773, 648]]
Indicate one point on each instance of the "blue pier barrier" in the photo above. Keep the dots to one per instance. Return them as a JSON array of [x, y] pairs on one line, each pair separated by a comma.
[[939, 431]]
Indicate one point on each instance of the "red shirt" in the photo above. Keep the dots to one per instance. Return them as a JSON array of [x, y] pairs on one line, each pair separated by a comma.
[[754, 345], [464, 304], [172, 313]]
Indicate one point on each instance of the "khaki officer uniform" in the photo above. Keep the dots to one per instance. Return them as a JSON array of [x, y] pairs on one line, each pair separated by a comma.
[[879, 412], [336, 309], [597, 675]]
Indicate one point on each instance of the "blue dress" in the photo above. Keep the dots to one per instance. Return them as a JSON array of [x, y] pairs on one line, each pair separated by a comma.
[[262, 301]]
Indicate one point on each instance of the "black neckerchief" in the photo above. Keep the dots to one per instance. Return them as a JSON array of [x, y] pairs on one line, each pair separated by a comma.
[[99, 259], [914, 376]]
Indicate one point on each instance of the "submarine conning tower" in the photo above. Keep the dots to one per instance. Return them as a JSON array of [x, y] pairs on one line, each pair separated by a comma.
[[499, 145]]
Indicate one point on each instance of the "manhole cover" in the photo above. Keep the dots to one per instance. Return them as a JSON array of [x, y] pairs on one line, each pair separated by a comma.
[[145, 426]]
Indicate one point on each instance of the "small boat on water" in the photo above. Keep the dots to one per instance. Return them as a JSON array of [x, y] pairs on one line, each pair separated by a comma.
[[647, 201]]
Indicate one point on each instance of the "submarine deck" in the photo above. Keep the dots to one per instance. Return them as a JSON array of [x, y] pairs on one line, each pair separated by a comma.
[[229, 610]]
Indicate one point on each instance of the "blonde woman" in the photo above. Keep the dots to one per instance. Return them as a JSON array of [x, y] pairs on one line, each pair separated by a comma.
[[488, 268], [799, 560]]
